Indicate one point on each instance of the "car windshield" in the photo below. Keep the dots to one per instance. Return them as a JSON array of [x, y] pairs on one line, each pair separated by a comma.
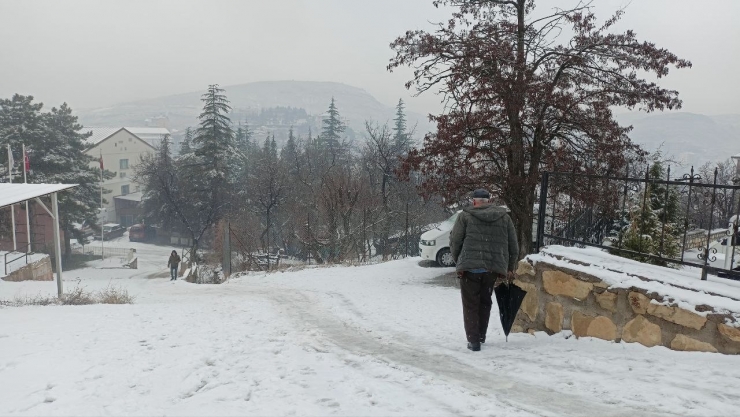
[[447, 224]]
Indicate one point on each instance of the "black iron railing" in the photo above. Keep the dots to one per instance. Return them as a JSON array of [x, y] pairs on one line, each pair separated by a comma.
[[15, 255], [662, 220]]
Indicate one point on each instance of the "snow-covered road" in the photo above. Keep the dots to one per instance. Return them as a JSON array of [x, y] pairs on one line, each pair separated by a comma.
[[371, 340]]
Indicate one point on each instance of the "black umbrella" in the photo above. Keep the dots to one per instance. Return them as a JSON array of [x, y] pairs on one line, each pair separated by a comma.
[[509, 298]]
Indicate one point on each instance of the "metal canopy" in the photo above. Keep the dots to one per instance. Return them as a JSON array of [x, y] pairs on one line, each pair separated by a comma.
[[18, 193]]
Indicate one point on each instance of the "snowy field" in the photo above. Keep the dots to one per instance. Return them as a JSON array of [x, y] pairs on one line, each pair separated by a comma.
[[372, 340]]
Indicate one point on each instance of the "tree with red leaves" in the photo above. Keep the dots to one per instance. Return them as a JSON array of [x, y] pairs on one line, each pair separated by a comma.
[[526, 92]]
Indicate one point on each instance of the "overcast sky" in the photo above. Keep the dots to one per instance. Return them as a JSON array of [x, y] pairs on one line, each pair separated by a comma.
[[96, 53]]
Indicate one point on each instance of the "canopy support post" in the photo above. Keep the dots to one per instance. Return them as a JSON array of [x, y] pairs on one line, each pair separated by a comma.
[[57, 242]]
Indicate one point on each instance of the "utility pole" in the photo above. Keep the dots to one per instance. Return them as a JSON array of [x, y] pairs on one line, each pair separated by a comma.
[[12, 206], [364, 233], [407, 229], [26, 165], [308, 237], [102, 235]]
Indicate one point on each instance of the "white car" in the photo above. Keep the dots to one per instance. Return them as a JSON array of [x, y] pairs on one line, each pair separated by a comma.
[[435, 244]]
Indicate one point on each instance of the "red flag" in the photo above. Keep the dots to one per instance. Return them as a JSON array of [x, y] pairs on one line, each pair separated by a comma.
[[101, 162], [26, 161]]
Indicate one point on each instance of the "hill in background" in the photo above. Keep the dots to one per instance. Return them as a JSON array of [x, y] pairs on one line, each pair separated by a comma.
[[689, 138], [273, 107], [301, 105]]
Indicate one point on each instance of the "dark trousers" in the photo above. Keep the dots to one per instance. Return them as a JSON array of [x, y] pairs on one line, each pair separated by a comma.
[[476, 290], [173, 273]]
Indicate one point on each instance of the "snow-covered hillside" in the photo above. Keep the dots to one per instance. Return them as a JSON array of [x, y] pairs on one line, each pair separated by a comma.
[[691, 139], [384, 339], [355, 105]]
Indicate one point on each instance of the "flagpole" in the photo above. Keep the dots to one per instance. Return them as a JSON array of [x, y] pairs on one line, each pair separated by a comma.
[[12, 206], [26, 164], [102, 253]]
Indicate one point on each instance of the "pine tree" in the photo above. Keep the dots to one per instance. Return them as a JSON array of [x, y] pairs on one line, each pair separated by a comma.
[[289, 154], [185, 146], [20, 122], [333, 127], [400, 135], [56, 145], [214, 143], [244, 138], [214, 138], [206, 175], [157, 174], [664, 200], [653, 228]]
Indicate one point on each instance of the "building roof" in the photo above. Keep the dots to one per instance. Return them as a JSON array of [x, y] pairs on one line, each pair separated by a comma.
[[17, 193], [150, 135], [99, 134], [138, 131], [130, 197]]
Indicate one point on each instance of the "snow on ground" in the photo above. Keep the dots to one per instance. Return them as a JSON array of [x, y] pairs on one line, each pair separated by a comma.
[[385, 339]]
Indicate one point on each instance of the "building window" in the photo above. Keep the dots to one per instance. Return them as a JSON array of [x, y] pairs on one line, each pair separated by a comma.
[[124, 189], [123, 163], [123, 174]]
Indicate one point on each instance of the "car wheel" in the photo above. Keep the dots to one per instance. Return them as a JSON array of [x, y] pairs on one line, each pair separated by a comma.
[[444, 258]]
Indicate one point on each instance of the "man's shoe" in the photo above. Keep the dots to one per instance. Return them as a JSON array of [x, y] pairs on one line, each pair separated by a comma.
[[474, 346]]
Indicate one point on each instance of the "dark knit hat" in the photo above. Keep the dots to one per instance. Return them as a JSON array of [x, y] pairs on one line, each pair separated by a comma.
[[481, 193]]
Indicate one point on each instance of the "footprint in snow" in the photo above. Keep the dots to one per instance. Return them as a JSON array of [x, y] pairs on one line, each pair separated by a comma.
[[328, 402]]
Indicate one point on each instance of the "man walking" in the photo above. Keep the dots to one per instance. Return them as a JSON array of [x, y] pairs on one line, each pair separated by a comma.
[[484, 246], [173, 263]]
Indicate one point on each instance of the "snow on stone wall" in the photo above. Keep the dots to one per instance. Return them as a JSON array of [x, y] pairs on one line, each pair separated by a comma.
[[37, 269], [594, 294]]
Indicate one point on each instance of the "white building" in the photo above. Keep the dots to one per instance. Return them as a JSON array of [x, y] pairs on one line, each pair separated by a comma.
[[121, 149]]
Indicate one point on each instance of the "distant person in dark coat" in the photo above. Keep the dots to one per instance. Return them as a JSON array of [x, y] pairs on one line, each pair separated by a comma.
[[173, 264], [485, 249]]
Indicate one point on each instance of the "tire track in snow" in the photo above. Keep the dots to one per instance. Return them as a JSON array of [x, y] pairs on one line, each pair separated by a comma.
[[504, 389]]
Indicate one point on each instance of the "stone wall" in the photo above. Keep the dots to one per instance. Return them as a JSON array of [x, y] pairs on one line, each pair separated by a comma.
[[697, 239], [39, 270], [560, 299]]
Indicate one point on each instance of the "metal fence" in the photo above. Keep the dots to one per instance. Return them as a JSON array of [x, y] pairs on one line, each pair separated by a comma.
[[662, 220], [126, 254]]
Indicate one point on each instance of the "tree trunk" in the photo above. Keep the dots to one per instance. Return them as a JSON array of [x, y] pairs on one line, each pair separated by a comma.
[[521, 206], [67, 245]]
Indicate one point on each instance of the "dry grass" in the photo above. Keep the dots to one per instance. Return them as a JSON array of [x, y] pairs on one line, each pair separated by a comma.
[[114, 295], [38, 300], [76, 297]]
